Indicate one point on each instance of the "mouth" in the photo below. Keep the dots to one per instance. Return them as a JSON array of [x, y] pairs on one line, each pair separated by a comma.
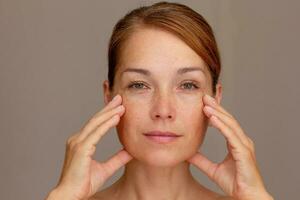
[[162, 134], [162, 137]]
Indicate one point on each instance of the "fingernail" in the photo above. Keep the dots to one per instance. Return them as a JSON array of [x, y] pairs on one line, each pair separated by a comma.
[[211, 99], [115, 97]]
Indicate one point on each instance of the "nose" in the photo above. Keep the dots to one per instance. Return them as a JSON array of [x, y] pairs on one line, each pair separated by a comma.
[[163, 107]]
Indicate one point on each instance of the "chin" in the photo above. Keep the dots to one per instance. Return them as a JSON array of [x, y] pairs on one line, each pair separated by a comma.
[[158, 157]]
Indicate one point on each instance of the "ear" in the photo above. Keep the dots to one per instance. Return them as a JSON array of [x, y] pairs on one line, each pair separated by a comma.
[[107, 92], [218, 96]]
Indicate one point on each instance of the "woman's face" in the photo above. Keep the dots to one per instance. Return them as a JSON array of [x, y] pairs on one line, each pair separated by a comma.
[[163, 97]]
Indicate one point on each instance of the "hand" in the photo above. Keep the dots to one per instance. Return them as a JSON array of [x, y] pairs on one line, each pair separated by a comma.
[[81, 175], [237, 175]]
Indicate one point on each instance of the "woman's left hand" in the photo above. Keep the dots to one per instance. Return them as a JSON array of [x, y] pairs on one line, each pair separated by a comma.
[[237, 175]]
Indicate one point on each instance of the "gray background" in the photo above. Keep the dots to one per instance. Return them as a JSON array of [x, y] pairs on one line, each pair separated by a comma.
[[53, 62]]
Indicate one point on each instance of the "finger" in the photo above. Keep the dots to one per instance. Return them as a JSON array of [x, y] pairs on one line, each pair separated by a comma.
[[95, 136], [204, 164], [113, 103], [95, 122], [231, 122], [114, 163], [234, 141], [208, 100]]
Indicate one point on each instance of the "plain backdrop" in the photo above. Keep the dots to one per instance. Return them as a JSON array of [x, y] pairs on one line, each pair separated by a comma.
[[53, 60]]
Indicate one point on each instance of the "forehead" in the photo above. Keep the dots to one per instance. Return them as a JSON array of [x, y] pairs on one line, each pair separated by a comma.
[[158, 51]]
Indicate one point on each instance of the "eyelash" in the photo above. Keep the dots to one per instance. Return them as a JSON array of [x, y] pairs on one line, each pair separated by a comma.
[[193, 84], [134, 83]]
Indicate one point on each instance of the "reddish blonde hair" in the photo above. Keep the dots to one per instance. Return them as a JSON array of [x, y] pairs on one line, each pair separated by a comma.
[[176, 18]]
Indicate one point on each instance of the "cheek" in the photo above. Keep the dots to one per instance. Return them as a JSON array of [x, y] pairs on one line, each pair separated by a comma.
[[197, 123], [130, 120], [131, 126], [133, 106], [195, 120], [192, 105]]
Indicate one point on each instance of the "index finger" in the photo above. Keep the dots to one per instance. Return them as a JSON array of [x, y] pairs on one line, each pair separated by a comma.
[[96, 122], [109, 110], [212, 102]]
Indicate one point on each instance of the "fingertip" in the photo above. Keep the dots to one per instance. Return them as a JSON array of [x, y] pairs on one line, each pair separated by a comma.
[[204, 97], [117, 98], [125, 155]]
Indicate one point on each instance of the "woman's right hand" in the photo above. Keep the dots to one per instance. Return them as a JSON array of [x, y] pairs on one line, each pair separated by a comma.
[[82, 176]]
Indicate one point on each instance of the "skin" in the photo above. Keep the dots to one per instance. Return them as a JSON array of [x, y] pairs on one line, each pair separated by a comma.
[[162, 100]]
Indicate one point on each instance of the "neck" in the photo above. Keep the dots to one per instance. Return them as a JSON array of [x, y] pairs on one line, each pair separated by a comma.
[[143, 182]]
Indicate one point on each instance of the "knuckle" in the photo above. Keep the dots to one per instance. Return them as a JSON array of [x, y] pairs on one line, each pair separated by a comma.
[[76, 148], [71, 144], [229, 130], [70, 140]]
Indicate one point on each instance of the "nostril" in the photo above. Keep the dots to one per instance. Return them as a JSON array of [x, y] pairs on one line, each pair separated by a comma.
[[169, 116]]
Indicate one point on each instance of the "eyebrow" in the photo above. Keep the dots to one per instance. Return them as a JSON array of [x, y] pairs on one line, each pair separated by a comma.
[[180, 71]]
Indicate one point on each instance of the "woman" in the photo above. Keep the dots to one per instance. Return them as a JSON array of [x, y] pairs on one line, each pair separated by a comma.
[[164, 69]]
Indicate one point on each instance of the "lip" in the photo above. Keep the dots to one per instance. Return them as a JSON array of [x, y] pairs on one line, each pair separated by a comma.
[[162, 137], [162, 133]]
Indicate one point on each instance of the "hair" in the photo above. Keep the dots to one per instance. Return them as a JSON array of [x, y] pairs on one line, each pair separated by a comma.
[[176, 18]]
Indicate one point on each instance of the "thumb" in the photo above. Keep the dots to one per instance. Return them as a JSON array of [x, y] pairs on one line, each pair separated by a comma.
[[115, 162], [204, 164]]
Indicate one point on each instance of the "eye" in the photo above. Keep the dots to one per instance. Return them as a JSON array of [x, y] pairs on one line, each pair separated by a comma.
[[136, 85], [190, 86]]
